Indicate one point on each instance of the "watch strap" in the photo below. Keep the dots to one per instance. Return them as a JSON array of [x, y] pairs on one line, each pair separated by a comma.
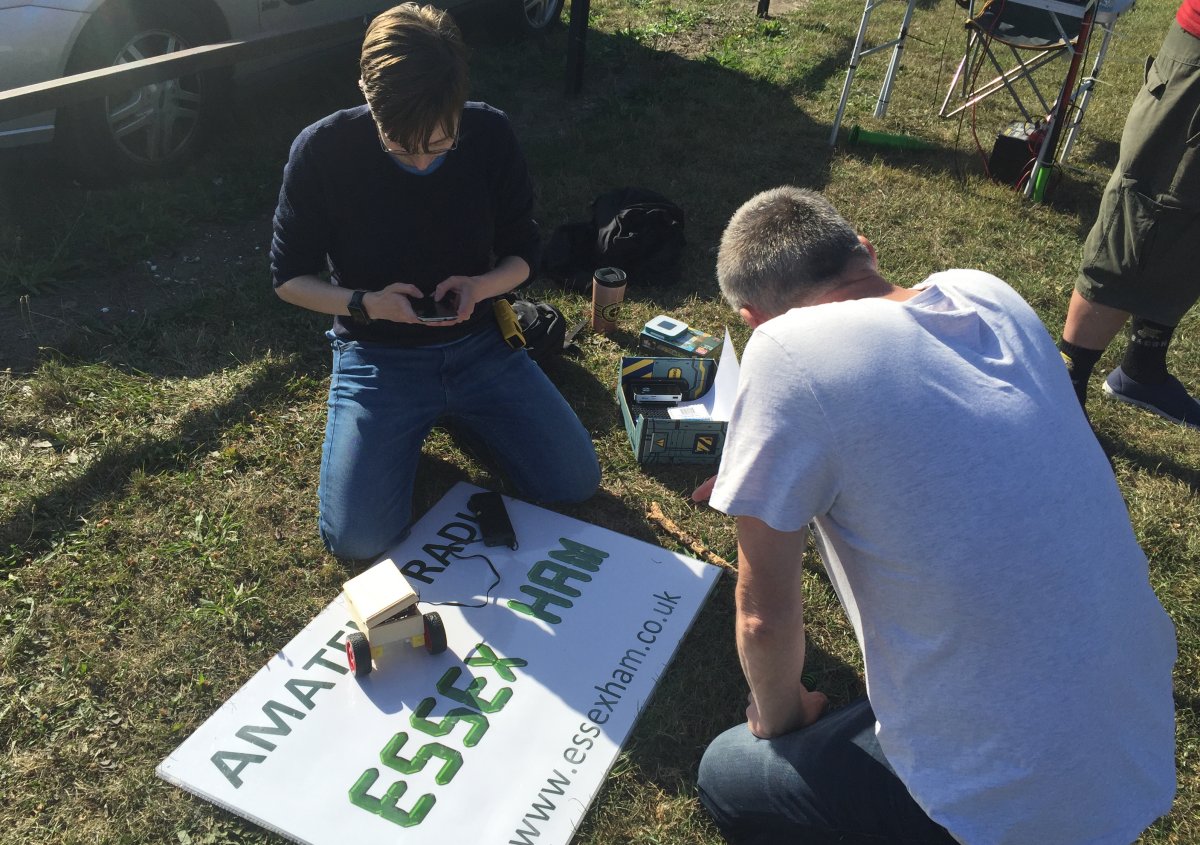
[[358, 311]]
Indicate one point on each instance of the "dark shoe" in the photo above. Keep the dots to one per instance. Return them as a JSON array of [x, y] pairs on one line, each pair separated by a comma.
[[1170, 400]]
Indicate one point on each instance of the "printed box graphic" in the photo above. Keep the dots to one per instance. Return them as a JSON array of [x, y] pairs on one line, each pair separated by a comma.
[[507, 736], [654, 438]]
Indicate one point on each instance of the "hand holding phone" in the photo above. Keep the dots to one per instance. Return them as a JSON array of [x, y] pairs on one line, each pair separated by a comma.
[[429, 310]]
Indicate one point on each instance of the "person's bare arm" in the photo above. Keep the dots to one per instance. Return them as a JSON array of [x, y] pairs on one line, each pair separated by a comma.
[[509, 272], [314, 293], [770, 628], [394, 302]]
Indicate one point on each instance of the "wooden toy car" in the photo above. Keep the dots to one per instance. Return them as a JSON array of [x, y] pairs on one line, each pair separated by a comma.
[[384, 607]]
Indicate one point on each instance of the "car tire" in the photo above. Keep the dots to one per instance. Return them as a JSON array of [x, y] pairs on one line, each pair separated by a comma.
[[358, 654], [531, 17], [435, 633], [149, 131]]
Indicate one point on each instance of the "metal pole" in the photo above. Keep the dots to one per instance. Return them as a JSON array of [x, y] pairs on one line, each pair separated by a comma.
[[1085, 91], [885, 93], [576, 45], [1047, 155], [854, 58]]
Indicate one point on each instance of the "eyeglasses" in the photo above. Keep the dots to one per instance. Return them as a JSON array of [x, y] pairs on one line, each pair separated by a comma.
[[400, 153]]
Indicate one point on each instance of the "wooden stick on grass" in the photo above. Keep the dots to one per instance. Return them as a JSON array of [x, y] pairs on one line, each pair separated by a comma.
[[669, 526]]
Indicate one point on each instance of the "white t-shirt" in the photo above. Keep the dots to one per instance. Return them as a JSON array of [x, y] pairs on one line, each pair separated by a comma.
[[1017, 659]]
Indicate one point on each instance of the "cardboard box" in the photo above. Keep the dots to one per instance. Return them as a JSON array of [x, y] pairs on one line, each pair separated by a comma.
[[664, 335], [657, 439]]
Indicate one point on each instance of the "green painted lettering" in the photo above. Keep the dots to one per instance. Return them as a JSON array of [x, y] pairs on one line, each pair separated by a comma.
[[554, 576], [541, 600], [470, 696], [390, 757], [579, 555], [477, 721], [487, 657], [388, 807]]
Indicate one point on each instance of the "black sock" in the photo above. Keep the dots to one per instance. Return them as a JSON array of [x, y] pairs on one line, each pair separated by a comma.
[[1080, 363], [1145, 358]]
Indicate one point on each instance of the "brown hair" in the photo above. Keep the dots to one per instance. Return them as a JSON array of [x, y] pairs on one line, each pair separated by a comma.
[[414, 73]]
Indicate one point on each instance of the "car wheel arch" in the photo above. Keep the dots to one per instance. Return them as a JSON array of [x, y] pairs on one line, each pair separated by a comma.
[[119, 23]]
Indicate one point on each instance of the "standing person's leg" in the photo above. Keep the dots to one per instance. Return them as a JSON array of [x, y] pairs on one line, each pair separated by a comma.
[[508, 407], [1141, 255], [1143, 380], [825, 783], [1087, 332], [383, 401]]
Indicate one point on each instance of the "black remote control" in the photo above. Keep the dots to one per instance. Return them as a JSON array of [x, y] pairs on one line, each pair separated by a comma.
[[493, 520]]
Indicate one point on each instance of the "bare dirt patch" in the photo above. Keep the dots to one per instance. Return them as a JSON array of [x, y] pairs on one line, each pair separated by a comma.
[[85, 309]]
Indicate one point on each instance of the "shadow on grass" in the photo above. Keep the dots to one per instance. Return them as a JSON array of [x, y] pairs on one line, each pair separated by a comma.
[[1069, 190], [705, 135], [593, 400], [705, 682], [1153, 462], [37, 522], [1189, 704]]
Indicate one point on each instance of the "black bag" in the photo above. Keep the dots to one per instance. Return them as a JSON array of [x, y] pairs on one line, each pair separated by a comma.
[[543, 326], [635, 229]]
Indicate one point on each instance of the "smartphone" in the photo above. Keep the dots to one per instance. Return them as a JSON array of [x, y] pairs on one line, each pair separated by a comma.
[[429, 311]]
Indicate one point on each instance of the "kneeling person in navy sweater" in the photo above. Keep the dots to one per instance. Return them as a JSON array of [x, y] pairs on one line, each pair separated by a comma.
[[418, 197]]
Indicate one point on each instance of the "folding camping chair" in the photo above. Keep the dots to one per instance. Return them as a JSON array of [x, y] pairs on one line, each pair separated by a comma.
[[1033, 37], [1035, 33], [1045, 30]]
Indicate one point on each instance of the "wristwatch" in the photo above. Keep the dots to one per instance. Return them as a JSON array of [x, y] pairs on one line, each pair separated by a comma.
[[358, 312]]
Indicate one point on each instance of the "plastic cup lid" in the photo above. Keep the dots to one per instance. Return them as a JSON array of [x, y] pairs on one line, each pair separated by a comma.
[[610, 277]]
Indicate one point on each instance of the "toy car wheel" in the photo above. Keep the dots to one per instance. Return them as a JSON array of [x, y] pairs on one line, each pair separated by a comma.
[[358, 654], [435, 633]]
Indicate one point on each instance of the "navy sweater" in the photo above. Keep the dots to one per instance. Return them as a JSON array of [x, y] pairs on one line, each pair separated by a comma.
[[346, 206]]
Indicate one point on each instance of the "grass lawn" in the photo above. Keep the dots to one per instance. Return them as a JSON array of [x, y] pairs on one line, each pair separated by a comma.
[[158, 469]]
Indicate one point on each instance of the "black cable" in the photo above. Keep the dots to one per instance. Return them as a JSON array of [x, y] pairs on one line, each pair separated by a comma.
[[974, 78], [486, 596]]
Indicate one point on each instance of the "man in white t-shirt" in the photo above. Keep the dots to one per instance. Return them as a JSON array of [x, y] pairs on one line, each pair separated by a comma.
[[1018, 664]]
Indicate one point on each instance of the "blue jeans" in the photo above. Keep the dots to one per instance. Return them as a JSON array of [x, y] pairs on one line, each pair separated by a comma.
[[383, 402], [825, 783]]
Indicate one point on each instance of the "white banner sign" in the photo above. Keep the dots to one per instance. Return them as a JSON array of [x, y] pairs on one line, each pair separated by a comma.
[[504, 738]]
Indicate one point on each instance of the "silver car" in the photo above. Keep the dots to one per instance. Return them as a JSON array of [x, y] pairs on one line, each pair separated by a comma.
[[153, 128]]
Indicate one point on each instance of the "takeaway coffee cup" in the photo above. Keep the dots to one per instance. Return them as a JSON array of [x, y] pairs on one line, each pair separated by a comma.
[[608, 290]]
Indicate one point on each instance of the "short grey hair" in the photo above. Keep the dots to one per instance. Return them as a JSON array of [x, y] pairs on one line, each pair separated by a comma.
[[783, 246]]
